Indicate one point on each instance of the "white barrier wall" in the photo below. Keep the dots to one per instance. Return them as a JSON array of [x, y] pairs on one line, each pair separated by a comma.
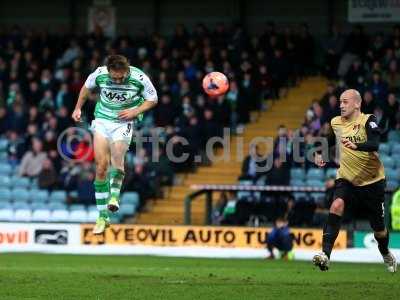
[[76, 239], [27, 234], [154, 235]]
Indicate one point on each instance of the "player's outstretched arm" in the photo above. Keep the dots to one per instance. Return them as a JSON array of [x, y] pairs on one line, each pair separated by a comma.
[[90, 83], [318, 155], [83, 95]]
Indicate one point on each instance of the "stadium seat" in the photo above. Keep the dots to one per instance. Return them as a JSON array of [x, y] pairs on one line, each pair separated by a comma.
[[387, 161], [330, 173], [20, 195], [240, 194], [34, 184], [20, 182], [115, 218], [59, 215], [129, 158], [23, 215], [73, 194], [130, 198], [391, 174], [261, 180], [5, 182], [318, 197], [148, 121], [3, 145], [58, 196], [315, 183], [296, 182], [300, 195], [5, 194], [74, 207], [391, 144], [392, 184], [315, 174], [297, 173], [92, 216], [127, 209], [396, 148], [39, 205], [243, 195], [396, 158], [21, 205], [3, 157], [6, 214], [384, 148], [79, 216], [37, 195], [394, 136], [57, 206], [5, 169], [41, 215], [245, 182], [91, 207]]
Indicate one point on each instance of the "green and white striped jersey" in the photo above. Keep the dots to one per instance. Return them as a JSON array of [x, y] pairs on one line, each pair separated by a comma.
[[116, 97]]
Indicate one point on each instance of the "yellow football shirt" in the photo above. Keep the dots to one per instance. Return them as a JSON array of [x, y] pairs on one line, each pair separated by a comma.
[[358, 167]]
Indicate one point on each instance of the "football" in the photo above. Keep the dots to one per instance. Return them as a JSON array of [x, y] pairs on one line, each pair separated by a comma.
[[215, 84]]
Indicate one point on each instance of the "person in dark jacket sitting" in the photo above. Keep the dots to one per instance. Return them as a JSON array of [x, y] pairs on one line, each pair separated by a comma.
[[254, 166], [279, 174], [281, 239]]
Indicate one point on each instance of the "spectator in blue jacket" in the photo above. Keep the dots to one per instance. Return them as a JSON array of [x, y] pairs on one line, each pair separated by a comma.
[[281, 239]]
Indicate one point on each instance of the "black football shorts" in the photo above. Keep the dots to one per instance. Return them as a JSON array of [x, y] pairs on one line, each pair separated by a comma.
[[371, 197]]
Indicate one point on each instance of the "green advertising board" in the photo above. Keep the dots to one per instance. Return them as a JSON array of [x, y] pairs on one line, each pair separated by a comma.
[[365, 239]]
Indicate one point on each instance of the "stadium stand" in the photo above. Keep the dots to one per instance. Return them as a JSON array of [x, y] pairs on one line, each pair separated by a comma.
[[371, 68], [40, 77], [41, 74]]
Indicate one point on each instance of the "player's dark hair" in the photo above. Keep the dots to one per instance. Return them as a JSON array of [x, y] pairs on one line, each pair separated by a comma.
[[117, 63]]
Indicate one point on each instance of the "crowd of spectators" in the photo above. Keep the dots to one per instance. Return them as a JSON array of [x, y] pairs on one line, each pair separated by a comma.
[[41, 74], [368, 63]]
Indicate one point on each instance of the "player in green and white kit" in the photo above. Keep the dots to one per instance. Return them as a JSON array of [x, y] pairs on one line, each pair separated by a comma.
[[125, 93]]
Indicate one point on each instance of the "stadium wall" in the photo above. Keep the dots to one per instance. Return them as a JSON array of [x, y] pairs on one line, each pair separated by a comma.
[[77, 239], [151, 235], [147, 16]]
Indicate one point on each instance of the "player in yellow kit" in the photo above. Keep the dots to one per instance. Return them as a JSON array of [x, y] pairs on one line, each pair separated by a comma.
[[360, 176]]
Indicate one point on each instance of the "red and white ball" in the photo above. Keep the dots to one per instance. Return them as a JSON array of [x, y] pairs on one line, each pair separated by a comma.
[[215, 84]]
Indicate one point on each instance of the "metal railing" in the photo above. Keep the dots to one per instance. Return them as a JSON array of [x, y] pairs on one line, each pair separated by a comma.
[[208, 190]]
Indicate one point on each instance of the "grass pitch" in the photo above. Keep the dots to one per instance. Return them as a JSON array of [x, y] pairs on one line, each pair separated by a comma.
[[40, 276]]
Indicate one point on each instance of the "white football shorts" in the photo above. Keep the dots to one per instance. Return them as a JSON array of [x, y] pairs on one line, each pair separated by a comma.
[[113, 131]]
